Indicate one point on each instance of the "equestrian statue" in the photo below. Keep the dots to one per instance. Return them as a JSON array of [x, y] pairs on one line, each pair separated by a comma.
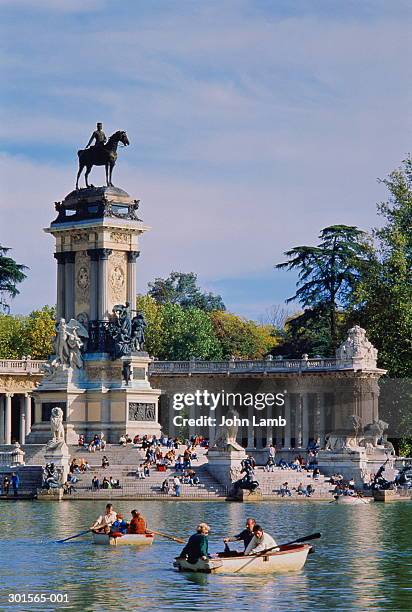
[[102, 153]]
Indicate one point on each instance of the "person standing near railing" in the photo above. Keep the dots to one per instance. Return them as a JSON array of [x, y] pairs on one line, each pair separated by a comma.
[[15, 483]]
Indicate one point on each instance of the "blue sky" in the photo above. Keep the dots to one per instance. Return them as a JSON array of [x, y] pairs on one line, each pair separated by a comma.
[[253, 124]]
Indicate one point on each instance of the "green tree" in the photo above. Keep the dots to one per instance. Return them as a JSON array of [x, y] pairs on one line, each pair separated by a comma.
[[329, 272], [153, 312], [27, 335], [11, 274], [182, 289], [382, 302], [39, 331], [239, 337], [188, 333], [13, 342]]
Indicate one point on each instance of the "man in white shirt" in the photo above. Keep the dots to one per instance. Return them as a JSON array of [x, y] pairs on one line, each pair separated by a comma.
[[105, 521], [260, 542]]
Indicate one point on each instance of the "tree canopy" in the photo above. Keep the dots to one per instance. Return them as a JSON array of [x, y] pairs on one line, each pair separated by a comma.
[[11, 274], [27, 335], [182, 289], [328, 272]]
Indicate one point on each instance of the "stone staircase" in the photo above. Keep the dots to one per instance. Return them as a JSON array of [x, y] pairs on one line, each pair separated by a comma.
[[270, 483], [123, 463]]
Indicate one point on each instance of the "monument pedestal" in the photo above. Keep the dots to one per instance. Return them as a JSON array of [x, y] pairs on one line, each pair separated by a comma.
[[356, 463], [243, 495], [60, 456], [98, 399], [225, 464]]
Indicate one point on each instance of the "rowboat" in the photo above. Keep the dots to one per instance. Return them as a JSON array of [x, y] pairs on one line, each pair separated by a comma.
[[353, 500], [287, 558], [128, 539]]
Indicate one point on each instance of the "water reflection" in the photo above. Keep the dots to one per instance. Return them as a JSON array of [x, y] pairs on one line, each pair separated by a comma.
[[363, 561]]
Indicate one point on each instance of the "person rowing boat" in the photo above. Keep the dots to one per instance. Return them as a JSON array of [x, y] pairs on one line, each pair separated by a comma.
[[260, 542], [137, 524], [104, 522], [244, 536], [197, 546]]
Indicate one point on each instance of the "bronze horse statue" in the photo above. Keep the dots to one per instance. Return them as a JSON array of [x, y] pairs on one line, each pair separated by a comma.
[[101, 155]]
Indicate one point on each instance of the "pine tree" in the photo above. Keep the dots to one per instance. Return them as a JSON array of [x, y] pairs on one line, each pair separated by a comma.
[[328, 272], [11, 273]]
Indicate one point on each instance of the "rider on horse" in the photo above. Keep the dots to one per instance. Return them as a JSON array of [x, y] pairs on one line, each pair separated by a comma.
[[98, 135]]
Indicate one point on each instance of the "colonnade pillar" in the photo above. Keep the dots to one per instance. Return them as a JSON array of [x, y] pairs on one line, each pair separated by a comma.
[[27, 412], [250, 429], [2, 409], [22, 418], [7, 419], [60, 302], [103, 298], [131, 278], [287, 438], [298, 421], [305, 419], [94, 258], [69, 284]]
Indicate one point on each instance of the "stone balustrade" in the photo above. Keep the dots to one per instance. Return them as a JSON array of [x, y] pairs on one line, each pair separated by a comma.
[[12, 458], [248, 366], [20, 366]]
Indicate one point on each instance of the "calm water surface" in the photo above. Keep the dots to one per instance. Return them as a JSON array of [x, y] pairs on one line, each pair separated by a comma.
[[362, 562]]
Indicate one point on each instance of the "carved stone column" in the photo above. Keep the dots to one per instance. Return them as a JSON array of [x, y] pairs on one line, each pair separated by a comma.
[[22, 419], [60, 302], [69, 284], [320, 418], [94, 258], [287, 441], [2, 401], [131, 278], [103, 296], [269, 430], [27, 412], [298, 421], [7, 419], [305, 419], [250, 429]]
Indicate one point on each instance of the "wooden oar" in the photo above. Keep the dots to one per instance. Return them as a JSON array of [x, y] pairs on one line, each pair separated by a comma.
[[313, 536], [72, 537], [168, 537]]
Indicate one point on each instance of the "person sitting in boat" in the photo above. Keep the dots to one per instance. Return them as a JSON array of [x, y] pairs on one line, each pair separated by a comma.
[[119, 526], [105, 521], [137, 524], [244, 536], [260, 542], [197, 546]]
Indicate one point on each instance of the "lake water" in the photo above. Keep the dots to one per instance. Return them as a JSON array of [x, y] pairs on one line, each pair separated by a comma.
[[362, 562]]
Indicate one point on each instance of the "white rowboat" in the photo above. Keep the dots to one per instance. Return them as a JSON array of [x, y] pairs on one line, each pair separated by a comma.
[[353, 500], [129, 539], [288, 558]]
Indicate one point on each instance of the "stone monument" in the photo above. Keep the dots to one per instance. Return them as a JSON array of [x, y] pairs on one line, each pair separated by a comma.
[[358, 449], [226, 455], [57, 452], [98, 375]]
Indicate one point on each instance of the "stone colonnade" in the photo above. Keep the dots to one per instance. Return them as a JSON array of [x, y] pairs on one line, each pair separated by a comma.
[[314, 406], [9, 403]]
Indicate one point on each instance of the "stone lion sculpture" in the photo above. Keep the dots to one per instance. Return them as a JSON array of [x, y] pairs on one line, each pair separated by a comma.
[[373, 433], [228, 433], [57, 429]]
